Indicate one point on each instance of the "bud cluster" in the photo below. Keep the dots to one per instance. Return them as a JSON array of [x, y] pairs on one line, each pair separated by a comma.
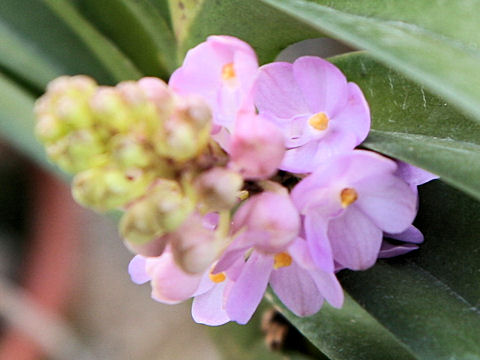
[[140, 148]]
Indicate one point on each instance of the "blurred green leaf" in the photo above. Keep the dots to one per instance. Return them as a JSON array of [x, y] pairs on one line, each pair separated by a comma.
[[17, 121], [424, 305], [267, 30], [49, 39], [118, 65], [410, 124], [22, 58], [443, 61], [139, 29]]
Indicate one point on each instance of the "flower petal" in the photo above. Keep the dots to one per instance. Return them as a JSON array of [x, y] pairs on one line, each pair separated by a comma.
[[388, 201], [208, 308], [329, 287], [296, 289], [276, 91], [322, 84], [355, 239], [170, 284], [389, 250], [318, 242], [410, 235], [354, 118], [137, 271], [248, 289]]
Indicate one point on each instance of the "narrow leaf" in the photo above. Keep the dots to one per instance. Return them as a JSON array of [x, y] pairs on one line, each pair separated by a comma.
[[447, 66], [267, 30], [410, 124], [139, 29], [17, 121], [107, 53]]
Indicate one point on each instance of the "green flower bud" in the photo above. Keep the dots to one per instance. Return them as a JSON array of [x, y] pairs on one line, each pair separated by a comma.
[[162, 210], [77, 151], [130, 151], [218, 188], [108, 188]]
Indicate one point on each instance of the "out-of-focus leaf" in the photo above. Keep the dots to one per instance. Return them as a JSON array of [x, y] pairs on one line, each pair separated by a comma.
[[50, 39], [349, 333], [427, 301], [444, 62], [117, 64], [139, 29], [410, 124], [17, 121], [22, 58], [266, 29]]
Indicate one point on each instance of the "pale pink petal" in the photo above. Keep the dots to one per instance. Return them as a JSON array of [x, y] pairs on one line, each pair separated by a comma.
[[329, 287], [208, 308], [296, 289], [411, 235], [276, 91], [354, 118], [170, 284], [248, 289], [388, 201], [137, 270], [322, 84], [299, 159], [300, 253], [389, 250], [413, 175], [334, 143], [355, 239], [257, 147], [318, 242]]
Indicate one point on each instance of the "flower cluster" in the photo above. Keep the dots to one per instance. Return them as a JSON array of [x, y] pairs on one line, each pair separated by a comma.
[[234, 177]]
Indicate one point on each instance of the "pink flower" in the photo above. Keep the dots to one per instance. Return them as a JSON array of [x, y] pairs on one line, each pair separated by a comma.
[[257, 147], [347, 204], [221, 70], [267, 228], [292, 275], [319, 113]]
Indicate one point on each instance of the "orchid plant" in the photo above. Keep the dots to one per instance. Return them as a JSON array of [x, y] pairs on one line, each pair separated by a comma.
[[240, 177]]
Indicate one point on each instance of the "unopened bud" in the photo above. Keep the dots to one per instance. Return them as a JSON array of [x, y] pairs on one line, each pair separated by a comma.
[[141, 223], [193, 245], [78, 151], [108, 188], [218, 189], [131, 151], [152, 248], [110, 110]]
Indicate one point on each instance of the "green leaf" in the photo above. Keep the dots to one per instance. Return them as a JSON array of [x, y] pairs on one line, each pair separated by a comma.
[[118, 65], [412, 125], [424, 305], [22, 58], [349, 333], [441, 60], [267, 30], [51, 42], [17, 121], [139, 29]]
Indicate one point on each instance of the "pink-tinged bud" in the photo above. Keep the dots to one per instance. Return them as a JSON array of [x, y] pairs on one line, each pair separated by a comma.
[[152, 248], [270, 220], [257, 147], [218, 189], [193, 245]]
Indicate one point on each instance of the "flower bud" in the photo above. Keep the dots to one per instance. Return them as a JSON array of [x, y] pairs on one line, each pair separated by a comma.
[[152, 248], [107, 188], [78, 151], [110, 110], [257, 147], [130, 151], [270, 220], [162, 210], [218, 188], [193, 245]]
